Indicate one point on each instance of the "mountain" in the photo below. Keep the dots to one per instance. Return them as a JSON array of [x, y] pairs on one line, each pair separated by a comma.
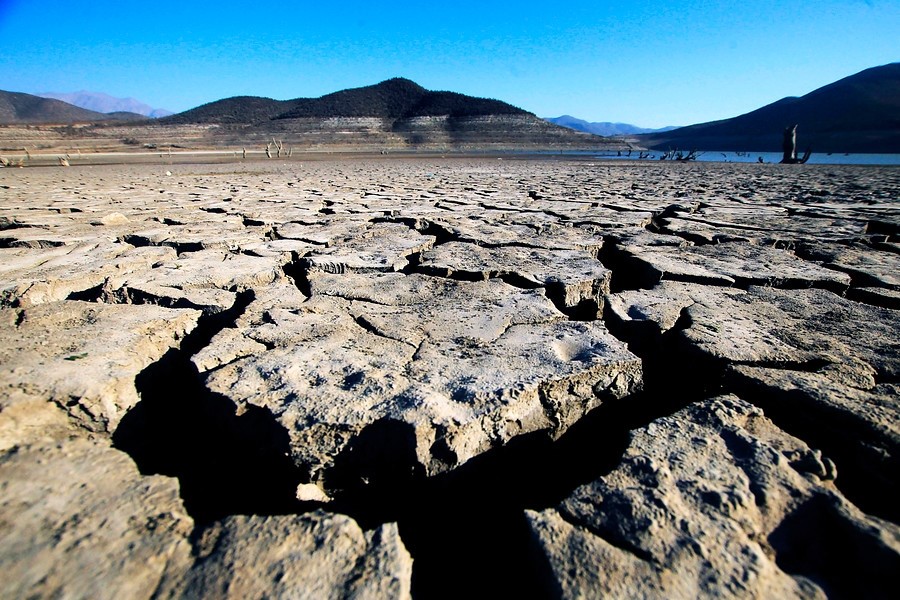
[[396, 98], [104, 103], [399, 98], [604, 128], [235, 110], [860, 113], [394, 115], [18, 108]]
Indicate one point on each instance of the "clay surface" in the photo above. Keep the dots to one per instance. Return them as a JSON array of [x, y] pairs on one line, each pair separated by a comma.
[[496, 376]]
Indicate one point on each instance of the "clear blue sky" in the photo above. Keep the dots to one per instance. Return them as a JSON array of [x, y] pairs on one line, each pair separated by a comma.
[[645, 62]]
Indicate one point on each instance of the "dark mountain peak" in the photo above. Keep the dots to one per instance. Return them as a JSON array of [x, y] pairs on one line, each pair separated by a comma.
[[397, 98], [878, 84], [399, 85], [859, 113], [870, 75], [388, 99]]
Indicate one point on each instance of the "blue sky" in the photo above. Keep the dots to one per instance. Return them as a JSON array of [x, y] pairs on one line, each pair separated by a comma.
[[645, 62]]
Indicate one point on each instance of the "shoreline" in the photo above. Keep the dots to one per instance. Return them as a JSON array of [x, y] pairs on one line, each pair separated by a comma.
[[223, 156]]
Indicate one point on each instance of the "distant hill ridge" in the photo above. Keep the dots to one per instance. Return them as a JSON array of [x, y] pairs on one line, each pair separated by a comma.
[[394, 115], [237, 109], [396, 98], [859, 113], [18, 108], [104, 103], [604, 128]]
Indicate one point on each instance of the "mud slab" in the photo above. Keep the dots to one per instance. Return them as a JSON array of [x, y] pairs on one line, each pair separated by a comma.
[[425, 377]]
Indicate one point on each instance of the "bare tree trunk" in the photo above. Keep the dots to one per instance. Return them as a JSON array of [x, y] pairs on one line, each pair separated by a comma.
[[789, 146]]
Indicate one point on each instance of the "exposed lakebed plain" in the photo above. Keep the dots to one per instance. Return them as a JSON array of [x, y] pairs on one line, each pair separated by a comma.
[[386, 377]]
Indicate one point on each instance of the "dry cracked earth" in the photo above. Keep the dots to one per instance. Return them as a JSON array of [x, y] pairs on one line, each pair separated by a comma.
[[449, 378]]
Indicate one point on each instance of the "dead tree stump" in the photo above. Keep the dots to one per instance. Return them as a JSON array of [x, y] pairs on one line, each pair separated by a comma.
[[789, 146]]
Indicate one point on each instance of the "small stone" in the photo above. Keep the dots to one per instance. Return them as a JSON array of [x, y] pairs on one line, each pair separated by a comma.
[[308, 492], [115, 219]]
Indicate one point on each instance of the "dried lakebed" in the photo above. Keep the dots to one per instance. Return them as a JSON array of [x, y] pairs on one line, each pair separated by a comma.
[[433, 378]]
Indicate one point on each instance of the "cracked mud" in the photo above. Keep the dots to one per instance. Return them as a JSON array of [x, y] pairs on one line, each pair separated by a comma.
[[449, 377]]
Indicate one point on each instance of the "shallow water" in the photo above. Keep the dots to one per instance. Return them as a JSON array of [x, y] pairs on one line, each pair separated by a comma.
[[774, 157]]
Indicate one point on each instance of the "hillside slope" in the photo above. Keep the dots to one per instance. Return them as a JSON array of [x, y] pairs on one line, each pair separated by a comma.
[[860, 113], [394, 115], [396, 98], [18, 108], [245, 110]]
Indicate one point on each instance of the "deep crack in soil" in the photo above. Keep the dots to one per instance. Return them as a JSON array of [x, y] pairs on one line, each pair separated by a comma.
[[465, 529], [226, 463]]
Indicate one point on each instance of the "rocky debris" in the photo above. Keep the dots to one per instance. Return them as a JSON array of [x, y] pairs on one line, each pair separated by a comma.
[[84, 356], [452, 369], [573, 279], [316, 555], [715, 502], [77, 520]]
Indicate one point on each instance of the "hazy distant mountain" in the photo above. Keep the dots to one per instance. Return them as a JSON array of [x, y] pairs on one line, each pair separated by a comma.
[[19, 108], [604, 128], [860, 113], [104, 103], [392, 99], [25, 108]]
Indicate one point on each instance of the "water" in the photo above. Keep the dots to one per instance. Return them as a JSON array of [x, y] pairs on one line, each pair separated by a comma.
[[836, 158]]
